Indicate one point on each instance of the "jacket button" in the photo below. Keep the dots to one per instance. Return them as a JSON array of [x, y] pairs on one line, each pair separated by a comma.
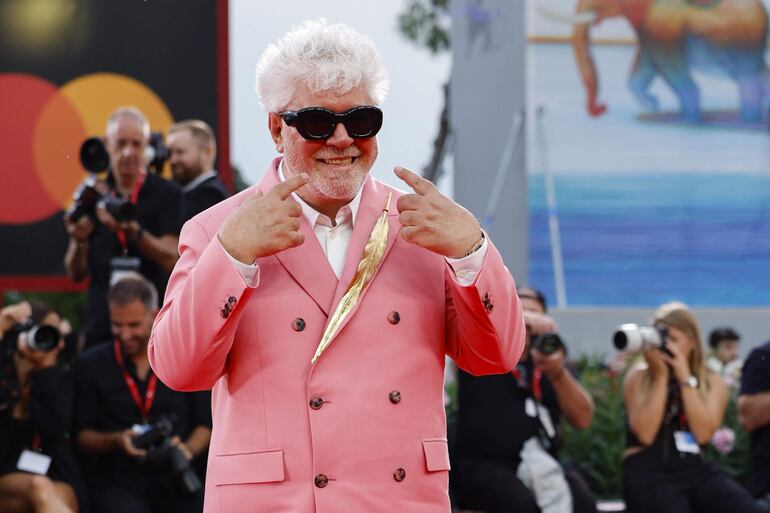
[[231, 301], [298, 324], [394, 317], [321, 480], [399, 474], [395, 397], [316, 403]]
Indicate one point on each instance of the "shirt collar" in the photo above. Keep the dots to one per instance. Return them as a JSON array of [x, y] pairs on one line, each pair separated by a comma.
[[201, 178], [312, 214]]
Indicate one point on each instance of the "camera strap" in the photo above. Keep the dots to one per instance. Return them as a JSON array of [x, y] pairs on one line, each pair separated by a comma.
[[535, 386], [133, 199], [152, 383]]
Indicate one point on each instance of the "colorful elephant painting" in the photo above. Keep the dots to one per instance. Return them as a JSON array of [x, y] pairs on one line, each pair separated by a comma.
[[675, 36]]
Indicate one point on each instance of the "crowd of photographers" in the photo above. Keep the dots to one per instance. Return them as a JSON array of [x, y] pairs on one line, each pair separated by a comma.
[[86, 426], [84, 423]]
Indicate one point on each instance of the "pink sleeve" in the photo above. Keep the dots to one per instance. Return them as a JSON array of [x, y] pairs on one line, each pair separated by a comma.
[[485, 326], [194, 329]]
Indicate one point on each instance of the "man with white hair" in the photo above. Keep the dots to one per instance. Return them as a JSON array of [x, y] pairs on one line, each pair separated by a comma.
[[135, 227], [320, 303]]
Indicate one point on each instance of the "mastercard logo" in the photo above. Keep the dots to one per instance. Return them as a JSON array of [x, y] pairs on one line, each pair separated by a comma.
[[42, 126]]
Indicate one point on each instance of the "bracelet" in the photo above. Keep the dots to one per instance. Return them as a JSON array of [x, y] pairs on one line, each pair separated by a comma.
[[476, 246]]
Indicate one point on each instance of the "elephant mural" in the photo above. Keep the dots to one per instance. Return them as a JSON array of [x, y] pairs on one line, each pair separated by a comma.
[[676, 35]]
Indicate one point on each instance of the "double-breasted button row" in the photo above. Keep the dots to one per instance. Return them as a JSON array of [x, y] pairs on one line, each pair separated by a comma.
[[228, 306], [316, 403], [321, 481]]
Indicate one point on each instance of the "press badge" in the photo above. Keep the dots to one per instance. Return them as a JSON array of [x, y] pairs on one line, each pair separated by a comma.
[[34, 462], [685, 442], [122, 266]]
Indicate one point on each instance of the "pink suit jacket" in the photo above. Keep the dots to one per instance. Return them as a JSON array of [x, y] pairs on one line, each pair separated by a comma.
[[363, 429]]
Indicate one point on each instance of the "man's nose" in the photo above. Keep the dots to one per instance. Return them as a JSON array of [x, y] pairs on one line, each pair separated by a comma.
[[340, 138]]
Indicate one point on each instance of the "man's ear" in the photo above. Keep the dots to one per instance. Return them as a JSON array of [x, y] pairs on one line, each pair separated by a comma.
[[275, 125]]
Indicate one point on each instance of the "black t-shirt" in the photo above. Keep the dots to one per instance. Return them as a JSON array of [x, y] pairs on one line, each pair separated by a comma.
[[158, 210], [103, 403], [492, 417], [207, 194], [755, 379]]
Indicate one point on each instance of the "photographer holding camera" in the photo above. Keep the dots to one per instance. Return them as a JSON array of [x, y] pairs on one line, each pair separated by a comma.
[[38, 468], [141, 436], [135, 224], [674, 404], [505, 451]]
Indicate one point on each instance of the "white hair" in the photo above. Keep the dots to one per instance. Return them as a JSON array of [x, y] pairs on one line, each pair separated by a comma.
[[325, 58], [130, 112]]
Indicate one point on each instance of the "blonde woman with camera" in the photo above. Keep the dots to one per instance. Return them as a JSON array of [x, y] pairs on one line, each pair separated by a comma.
[[674, 404]]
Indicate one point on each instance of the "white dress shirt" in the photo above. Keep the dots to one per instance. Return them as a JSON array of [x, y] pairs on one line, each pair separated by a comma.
[[335, 238]]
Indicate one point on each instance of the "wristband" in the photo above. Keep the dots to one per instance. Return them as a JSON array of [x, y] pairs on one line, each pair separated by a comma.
[[476, 246]]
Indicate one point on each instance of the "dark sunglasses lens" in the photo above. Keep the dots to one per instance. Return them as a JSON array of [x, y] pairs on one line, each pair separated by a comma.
[[361, 122], [315, 124]]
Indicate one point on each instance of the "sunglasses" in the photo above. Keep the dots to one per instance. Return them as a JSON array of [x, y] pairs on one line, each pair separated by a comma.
[[318, 124]]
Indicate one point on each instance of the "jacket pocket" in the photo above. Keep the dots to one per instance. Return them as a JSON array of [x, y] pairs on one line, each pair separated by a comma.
[[436, 454], [265, 466]]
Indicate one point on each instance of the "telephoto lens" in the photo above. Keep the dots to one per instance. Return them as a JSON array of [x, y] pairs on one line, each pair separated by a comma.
[[632, 338]]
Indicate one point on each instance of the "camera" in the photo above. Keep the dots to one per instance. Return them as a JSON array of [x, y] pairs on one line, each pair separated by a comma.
[[634, 338], [40, 337], [157, 153], [164, 457], [94, 159], [548, 343], [119, 208]]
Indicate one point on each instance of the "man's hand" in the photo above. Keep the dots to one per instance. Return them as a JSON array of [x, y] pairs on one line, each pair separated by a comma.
[[433, 221], [13, 314], [105, 217], [179, 444], [539, 324], [124, 440], [264, 224], [551, 365], [81, 229]]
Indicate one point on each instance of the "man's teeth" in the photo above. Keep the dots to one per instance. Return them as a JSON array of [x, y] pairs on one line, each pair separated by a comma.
[[338, 161]]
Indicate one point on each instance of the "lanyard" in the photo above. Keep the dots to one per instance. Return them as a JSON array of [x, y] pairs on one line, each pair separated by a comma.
[[152, 383], [134, 197], [537, 378]]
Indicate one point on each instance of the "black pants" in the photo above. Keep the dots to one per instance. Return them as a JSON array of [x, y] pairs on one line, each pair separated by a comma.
[[493, 487], [687, 485], [158, 499]]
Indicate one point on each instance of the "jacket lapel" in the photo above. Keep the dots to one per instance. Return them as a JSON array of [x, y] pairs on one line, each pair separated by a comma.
[[372, 203], [306, 263]]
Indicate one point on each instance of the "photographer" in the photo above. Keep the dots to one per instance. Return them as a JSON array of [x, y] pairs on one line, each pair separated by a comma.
[[674, 404], [192, 152], [139, 234], [118, 397], [38, 468], [723, 359], [505, 451], [754, 416]]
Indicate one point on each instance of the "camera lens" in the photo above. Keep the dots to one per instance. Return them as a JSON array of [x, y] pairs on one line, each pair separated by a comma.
[[549, 343], [43, 338]]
